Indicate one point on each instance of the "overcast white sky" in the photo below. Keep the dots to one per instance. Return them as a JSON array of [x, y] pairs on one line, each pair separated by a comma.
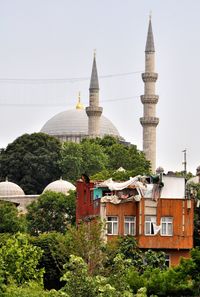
[[54, 39]]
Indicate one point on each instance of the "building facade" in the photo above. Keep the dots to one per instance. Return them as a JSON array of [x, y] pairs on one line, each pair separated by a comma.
[[157, 214]]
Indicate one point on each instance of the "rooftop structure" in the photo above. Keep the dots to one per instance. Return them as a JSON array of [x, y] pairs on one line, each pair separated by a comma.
[[153, 209]]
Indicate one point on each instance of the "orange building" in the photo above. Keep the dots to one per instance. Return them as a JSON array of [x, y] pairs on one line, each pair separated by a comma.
[[156, 212]]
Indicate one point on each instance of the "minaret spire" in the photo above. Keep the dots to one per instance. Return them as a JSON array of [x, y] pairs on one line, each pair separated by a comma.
[[150, 41], [94, 111], [149, 121], [94, 81]]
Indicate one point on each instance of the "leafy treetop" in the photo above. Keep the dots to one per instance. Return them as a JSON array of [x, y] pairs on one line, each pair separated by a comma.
[[31, 161]]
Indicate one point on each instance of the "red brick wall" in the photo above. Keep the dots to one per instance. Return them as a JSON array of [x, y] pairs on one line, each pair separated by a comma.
[[85, 205]]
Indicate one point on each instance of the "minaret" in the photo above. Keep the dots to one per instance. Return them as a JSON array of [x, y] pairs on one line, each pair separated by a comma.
[[94, 111], [149, 121]]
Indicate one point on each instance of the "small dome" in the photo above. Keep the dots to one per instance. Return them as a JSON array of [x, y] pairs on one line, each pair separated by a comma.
[[159, 170], [60, 186], [8, 189]]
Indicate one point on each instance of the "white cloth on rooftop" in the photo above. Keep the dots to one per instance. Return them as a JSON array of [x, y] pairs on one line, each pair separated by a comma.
[[115, 186]]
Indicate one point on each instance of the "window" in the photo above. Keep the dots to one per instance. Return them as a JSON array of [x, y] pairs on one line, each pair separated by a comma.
[[150, 221], [112, 225], [167, 260], [129, 225], [167, 226]]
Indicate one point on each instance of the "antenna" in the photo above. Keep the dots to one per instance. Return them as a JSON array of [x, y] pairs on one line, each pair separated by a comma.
[[185, 161]]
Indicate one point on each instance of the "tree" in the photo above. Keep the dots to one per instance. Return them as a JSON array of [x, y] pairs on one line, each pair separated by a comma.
[[128, 247], [101, 157], [80, 283], [71, 162], [51, 212], [153, 260], [120, 155], [94, 158], [56, 252], [10, 220], [105, 142], [31, 161], [79, 158], [87, 243], [119, 275], [187, 175], [19, 260]]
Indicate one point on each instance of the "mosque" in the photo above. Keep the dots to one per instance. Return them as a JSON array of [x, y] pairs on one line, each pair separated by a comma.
[[76, 124], [72, 125]]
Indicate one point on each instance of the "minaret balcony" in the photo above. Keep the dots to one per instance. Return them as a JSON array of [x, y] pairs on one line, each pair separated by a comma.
[[149, 77], [149, 121], [149, 99], [94, 111]]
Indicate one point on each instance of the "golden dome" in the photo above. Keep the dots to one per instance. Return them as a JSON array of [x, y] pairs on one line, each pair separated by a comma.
[[79, 105]]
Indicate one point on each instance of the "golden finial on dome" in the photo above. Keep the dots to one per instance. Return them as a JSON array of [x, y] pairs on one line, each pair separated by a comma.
[[79, 105]]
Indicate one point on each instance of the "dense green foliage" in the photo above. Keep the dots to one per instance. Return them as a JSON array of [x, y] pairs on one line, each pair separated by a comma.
[[19, 260], [51, 212], [78, 263], [84, 157], [101, 158], [10, 219], [29, 290], [86, 242], [56, 251], [31, 161], [80, 283]]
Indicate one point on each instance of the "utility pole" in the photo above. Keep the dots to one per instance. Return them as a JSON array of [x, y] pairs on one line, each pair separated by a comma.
[[185, 161]]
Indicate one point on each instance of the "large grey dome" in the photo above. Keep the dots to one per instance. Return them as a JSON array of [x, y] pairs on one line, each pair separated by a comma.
[[74, 123]]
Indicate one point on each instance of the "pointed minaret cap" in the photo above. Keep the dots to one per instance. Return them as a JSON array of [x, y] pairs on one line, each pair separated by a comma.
[[150, 42], [94, 82]]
